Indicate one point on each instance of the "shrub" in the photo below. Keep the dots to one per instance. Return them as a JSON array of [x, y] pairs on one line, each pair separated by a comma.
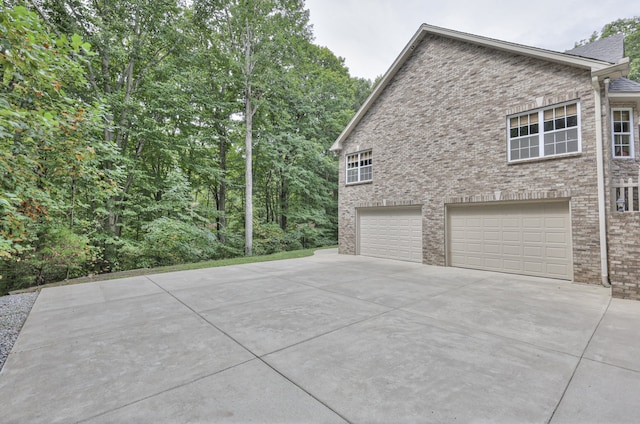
[[168, 241]]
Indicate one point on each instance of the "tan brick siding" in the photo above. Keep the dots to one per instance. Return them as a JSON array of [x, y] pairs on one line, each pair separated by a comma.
[[624, 255], [438, 132]]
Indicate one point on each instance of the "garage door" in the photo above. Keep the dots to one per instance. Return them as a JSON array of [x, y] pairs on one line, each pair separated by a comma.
[[393, 233], [529, 239]]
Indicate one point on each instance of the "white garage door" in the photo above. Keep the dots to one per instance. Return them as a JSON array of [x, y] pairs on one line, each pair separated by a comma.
[[529, 239], [393, 233]]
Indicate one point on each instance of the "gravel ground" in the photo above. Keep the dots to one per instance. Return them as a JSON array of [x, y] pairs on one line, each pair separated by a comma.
[[14, 310]]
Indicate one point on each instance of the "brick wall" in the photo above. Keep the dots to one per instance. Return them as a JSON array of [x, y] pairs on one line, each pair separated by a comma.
[[438, 132], [624, 255]]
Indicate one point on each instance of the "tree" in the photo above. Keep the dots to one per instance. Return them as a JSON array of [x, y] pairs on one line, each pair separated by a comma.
[[256, 35], [48, 144], [313, 101]]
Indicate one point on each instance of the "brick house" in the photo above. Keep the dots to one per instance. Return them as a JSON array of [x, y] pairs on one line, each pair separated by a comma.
[[478, 153]]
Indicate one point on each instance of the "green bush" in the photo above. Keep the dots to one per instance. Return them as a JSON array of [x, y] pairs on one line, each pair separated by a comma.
[[168, 241], [268, 238], [59, 254], [62, 255]]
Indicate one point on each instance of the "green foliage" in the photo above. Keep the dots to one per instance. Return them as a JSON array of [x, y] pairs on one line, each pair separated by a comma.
[[60, 254], [123, 131], [270, 238], [48, 144], [168, 241]]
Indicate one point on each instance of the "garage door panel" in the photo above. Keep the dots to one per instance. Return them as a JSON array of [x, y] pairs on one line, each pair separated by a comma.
[[557, 269], [557, 253], [475, 261], [532, 223], [489, 248], [560, 238], [511, 235], [531, 239], [532, 251], [555, 223], [394, 233], [534, 267], [512, 265], [510, 223], [493, 235]]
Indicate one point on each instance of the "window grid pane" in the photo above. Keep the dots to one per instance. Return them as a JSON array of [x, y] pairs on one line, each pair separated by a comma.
[[622, 136], [559, 132], [359, 167], [524, 139]]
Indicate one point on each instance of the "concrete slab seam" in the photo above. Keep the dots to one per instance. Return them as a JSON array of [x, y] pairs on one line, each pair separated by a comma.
[[351, 324], [186, 383], [273, 296], [253, 354], [575, 369]]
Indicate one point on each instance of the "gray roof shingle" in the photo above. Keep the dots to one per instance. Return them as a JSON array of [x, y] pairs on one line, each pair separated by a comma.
[[624, 85], [610, 49]]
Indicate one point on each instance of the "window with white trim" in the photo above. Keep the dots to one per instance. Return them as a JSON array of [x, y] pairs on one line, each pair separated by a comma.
[[359, 167], [545, 132], [622, 133]]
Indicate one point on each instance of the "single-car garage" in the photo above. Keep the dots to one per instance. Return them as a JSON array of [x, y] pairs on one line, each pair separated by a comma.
[[392, 233], [521, 238]]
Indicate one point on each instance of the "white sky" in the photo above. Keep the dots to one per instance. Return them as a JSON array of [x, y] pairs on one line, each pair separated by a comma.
[[370, 34]]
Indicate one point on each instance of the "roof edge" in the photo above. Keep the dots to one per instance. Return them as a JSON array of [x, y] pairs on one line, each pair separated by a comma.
[[593, 64], [384, 81]]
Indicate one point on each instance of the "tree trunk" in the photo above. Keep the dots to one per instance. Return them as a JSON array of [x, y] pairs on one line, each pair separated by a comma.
[[222, 194], [284, 202], [248, 142]]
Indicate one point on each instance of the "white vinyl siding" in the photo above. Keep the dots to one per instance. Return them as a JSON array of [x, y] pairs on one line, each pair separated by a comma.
[[392, 233], [547, 132], [525, 238]]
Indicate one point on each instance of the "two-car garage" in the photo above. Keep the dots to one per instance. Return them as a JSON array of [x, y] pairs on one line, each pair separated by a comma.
[[529, 238]]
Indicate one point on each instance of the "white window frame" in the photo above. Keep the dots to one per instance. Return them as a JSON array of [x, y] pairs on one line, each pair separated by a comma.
[[364, 172], [541, 132], [629, 133]]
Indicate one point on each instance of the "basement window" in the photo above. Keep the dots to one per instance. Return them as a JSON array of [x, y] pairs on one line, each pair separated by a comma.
[[359, 167]]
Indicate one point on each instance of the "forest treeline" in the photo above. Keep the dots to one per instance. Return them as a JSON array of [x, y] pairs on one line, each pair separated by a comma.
[[142, 133]]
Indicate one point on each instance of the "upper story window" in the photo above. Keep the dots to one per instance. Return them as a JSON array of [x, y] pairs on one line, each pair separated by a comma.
[[359, 167], [622, 133], [546, 132]]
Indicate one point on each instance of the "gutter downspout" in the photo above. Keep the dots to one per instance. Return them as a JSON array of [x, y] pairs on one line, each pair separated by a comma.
[[602, 214]]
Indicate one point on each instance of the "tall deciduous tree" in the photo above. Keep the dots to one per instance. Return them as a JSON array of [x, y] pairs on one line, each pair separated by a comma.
[[256, 35]]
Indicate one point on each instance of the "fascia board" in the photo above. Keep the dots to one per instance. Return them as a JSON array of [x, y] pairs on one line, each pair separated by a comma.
[[379, 88], [619, 70]]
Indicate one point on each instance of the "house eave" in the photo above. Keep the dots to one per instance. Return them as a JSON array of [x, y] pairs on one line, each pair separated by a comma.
[[613, 71], [622, 97], [595, 66]]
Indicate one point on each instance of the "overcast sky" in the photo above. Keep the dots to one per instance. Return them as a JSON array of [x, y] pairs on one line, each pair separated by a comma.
[[370, 34]]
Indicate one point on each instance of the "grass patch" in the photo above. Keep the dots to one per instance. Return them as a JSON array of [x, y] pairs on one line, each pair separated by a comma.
[[181, 267]]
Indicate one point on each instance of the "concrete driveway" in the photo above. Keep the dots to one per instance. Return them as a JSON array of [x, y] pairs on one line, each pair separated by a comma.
[[326, 339]]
